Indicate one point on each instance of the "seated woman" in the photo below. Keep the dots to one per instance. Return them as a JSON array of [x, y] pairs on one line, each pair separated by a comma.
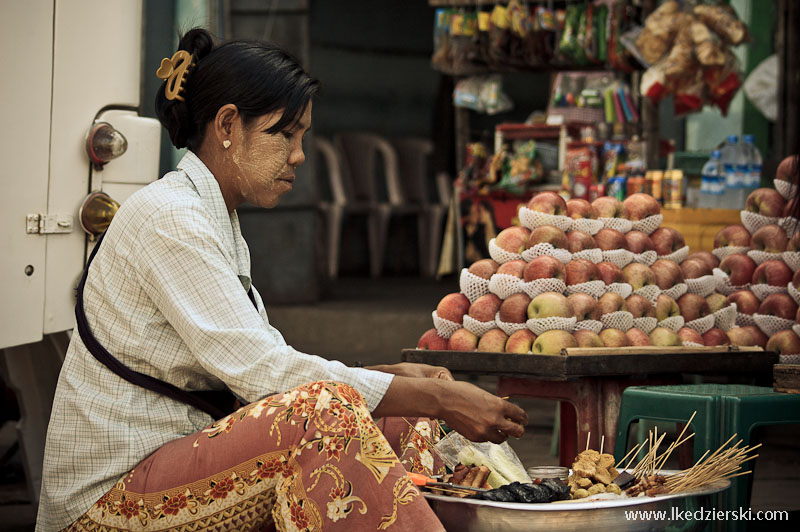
[[166, 306]]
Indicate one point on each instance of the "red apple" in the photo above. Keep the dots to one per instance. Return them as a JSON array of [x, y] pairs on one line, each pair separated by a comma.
[[483, 268], [690, 335], [431, 340], [766, 202], [578, 241], [581, 271], [787, 168], [462, 340], [791, 209], [609, 272], [667, 240], [705, 256], [514, 308], [548, 202], [759, 338], [548, 234], [638, 337], [611, 302], [493, 341], [638, 275], [608, 207], [453, 307], [794, 242], [784, 343], [746, 301], [693, 306], [770, 238], [781, 305], [739, 267], [733, 235], [667, 273], [716, 301], [544, 267], [550, 305], [520, 341], [772, 272], [796, 280], [585, 306], [587, 338], [485, 307], [610, 239], [614, 338], [662, 336], [580, 208], [639, 242], [640, 206], [666, 307], [514, 267], [640, 306], [513, 239], [741, 336], [694, 268], [552, 342], [715, 336]]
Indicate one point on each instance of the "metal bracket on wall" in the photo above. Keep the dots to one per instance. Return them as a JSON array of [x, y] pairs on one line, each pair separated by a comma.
[[46, 224]]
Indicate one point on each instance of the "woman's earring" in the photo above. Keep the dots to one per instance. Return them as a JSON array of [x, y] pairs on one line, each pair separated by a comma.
[[226, 144]]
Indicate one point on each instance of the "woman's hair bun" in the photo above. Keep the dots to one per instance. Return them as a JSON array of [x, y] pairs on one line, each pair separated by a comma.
[[197, 42]]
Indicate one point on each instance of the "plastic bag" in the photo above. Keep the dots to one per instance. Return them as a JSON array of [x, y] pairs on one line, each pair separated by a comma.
[[503, 462], [522, 170], [442, 55], [723, 21], [761, 87], [482, 94]]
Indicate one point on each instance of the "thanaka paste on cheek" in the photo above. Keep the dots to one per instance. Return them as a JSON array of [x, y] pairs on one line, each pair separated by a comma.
[[259, 161]]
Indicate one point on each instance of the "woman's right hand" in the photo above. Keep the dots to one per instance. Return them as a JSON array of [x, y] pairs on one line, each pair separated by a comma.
[[480, 416]]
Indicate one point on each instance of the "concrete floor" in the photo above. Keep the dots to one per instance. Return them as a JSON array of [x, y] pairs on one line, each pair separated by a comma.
[[372, 321]]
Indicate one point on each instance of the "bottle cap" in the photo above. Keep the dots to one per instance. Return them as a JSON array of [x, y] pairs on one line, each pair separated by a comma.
[[749, 139], [716, 154], [733, 139]]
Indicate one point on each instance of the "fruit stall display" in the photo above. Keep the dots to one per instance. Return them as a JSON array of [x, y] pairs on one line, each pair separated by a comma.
[[608, 274]]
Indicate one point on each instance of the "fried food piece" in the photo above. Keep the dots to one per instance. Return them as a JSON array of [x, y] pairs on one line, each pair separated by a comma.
[[584, 483], [470, 477], [613, 472], [606, 460], [480, 477], [602, 475], [584, 468], [657, 490], [597, 488], [591, 454], [459, 473], [580, 494], [613, 488]]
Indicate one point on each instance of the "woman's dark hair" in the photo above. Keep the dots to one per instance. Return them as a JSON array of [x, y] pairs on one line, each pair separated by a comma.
[[257, 77]]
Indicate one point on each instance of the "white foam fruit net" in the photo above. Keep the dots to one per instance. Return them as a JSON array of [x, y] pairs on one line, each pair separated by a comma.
[[546, 249], [743, 319], [701, 325], [587, 225], [796, 328], [789, 359], [503, 285], [594, 255], [753, 222], [623, 289], [593, 288], [620, 257], [792, 259], [538, 326], [785, 189], [444, 327], [703, 286], [621, 320], [648, 258], [772, 324], [650, 292], [725, 318], [508, 328], [500, 255], [472, 286], [763, 290], [478, 328], [645, 324], [676, 291], [789, 224], [691, 344], [759, 256], [589, 325], [722, 253], [540, 286], [673, 324], [532, 219], [724, 285], [677, 256], [620, 224], [793, 292], [649, 224]]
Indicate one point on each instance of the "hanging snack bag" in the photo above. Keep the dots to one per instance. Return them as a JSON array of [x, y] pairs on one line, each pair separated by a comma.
[[442, 55], [523, 169], [723, 21], [618, 57], [568, 45], [659, 31], [723, 82], [707, 46], [499, 37]]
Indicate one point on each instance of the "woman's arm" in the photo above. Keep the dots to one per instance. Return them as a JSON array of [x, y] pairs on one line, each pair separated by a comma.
[[473, 412], [408, 369]]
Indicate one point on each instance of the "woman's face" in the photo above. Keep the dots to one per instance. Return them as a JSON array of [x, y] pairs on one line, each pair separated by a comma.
[[264, 163]]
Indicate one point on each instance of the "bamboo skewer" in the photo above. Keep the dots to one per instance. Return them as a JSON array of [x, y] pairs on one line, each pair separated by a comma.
[[602, 441], [430, 444], [616, 466], [588, 435]]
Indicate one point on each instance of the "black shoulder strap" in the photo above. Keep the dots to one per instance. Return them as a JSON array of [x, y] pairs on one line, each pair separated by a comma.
[[217, 404]]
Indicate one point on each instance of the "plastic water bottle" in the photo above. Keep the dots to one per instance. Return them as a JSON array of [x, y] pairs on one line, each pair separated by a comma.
[[734, 166], [712, 187], [754, 163]]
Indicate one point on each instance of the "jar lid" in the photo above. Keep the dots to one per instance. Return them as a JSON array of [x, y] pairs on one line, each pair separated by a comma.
[[548, 472]]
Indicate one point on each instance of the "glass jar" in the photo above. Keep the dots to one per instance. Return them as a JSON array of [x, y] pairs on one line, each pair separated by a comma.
[[539, 473]]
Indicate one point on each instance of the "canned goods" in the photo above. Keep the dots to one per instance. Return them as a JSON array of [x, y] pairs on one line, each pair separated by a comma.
[[617, 187]]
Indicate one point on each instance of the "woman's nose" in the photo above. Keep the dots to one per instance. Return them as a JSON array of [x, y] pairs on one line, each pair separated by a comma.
[[297, 157]]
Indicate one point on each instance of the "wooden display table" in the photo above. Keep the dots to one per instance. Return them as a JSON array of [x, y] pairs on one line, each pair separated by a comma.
[[592, 380]]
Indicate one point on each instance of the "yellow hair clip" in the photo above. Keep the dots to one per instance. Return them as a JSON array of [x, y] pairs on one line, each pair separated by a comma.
[[174, 70]]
